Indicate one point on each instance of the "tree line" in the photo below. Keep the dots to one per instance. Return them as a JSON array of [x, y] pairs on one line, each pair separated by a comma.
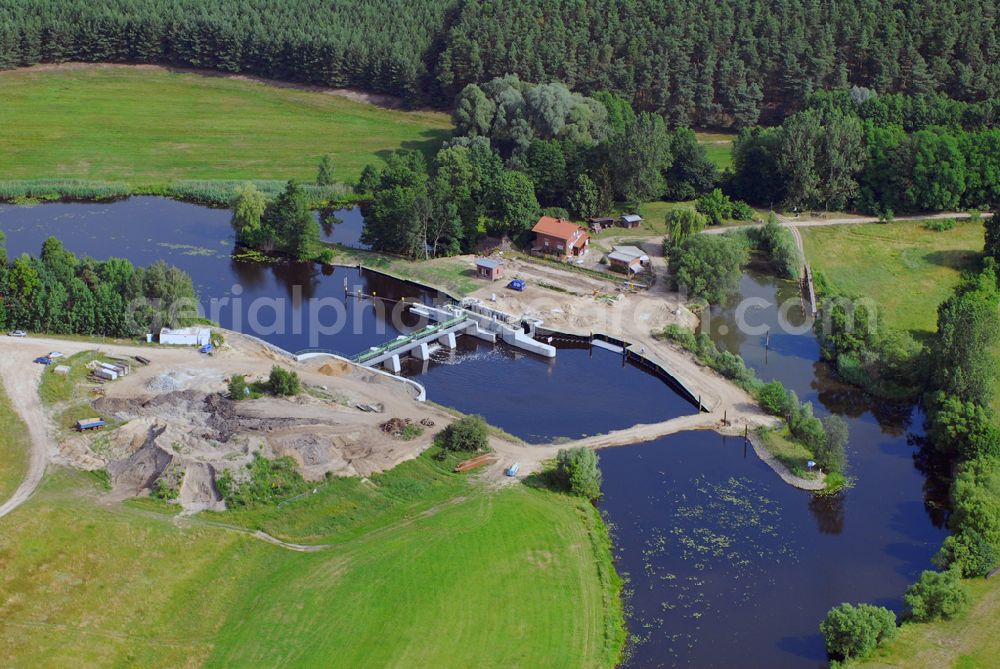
[[523, 149], [732, 62], [59, 293], [828, 158]]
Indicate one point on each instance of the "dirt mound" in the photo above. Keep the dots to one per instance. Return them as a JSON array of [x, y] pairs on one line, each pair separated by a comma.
[[334, 368], [395, 425], [141, 469], [198, 491]]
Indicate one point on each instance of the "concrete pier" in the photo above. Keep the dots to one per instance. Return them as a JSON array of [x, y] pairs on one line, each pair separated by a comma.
[[448, 340], [392, 364]]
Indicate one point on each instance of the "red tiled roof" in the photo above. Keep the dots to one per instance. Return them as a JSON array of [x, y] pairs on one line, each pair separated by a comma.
[[556, 227]]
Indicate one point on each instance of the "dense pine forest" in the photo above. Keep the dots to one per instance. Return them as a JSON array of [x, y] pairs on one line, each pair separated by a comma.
[[724, 63]]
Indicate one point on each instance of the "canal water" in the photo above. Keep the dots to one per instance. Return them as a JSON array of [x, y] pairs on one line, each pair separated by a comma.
[[726, 564]]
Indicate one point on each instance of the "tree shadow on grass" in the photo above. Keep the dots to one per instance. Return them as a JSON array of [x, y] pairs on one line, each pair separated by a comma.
[[429, 145], [958, 259]]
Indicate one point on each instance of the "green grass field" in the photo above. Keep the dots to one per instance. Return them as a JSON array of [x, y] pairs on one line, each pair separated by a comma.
[[425, 570], [14, 448], [967, 642], [149, 126], [908, 269], [719, 146]]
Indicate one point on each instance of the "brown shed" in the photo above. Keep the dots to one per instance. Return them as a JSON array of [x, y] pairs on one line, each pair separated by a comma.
[[489, 268]]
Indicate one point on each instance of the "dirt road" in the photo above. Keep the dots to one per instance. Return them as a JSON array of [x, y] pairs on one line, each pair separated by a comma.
[[20, 379]]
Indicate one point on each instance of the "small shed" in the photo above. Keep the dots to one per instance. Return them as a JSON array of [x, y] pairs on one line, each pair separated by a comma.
[[599, 223], [186, 336], [489, 268], [630, 220], [630, 258]]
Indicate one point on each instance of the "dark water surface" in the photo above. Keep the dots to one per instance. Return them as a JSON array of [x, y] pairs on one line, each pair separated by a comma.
[[576, 394], [729, 566]]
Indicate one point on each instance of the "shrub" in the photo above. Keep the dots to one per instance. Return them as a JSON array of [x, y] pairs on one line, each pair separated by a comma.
[[777, 243], [709, 266], [732, 367], [975, 496], [269, 481], [830, 453], [680, 334], [411, 431], [741, 211], [238, 389], [963, 428], [938, 594], [717, 208], [856, 631], [967, 552], [326, 256], [773, 398], [940, 224], [469, 433], [283, 382], [577, 472], [715, 205]]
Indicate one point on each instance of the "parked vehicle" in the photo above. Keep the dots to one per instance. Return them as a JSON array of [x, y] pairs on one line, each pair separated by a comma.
[[44, 360], [517, 284], [513, 469], [18, 333], [55, 355], [90, 424]]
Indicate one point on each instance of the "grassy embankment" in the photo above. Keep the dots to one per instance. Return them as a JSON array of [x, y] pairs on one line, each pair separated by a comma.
[[909, 270], [425, 569], [14, 448], [148, 126], [969, 641]]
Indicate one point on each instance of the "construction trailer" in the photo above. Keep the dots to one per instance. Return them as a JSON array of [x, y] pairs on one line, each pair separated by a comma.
[[186, 336], [90, 424]]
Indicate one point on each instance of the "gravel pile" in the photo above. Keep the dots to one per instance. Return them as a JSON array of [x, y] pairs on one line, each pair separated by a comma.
[[170, 382]]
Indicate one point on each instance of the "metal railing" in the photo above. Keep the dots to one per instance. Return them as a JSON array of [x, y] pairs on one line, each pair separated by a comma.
[[400, 342]]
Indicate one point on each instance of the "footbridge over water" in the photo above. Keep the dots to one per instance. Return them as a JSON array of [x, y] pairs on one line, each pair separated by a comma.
[[447, 323]]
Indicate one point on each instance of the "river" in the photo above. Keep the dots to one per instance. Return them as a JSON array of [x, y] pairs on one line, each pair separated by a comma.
[[726, 564]]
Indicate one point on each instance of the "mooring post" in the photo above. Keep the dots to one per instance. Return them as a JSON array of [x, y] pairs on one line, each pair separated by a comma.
[[359, 269], [624, 355], [725, 417], [591, 349], [746, 432], [767, 339], [699, 403]]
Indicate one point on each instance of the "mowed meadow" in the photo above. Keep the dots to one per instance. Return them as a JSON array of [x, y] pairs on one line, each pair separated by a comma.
[[415, 575], [148, 125], [905, 267]]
